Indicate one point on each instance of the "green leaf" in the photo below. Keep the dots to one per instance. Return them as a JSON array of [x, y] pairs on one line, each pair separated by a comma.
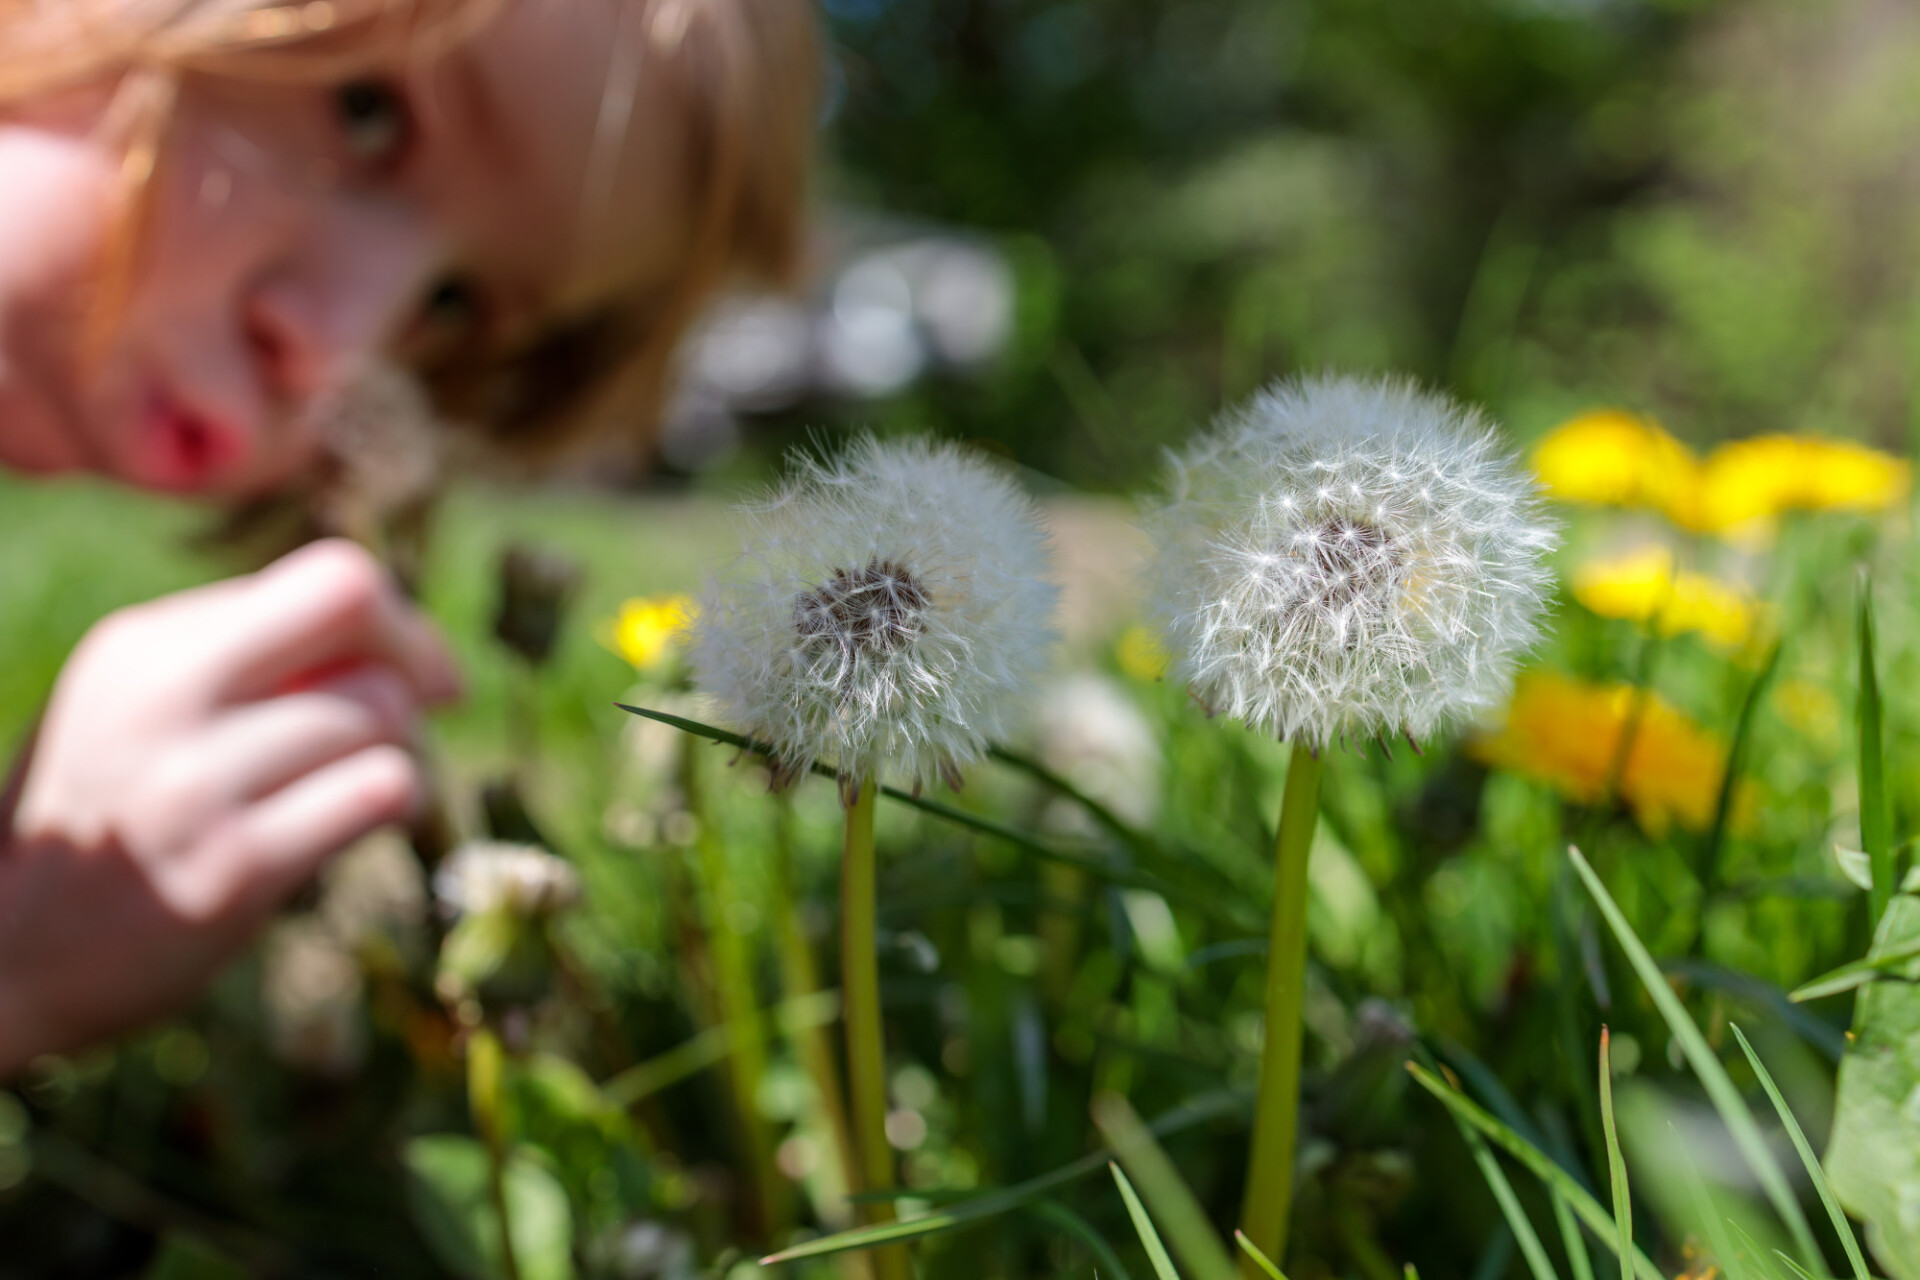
[[1841, 1226], [1873, 1157], [1106, 1261], [1713, 1077], [1857, 973], [449, 1193], [1180, 1214], [994, 1203], [1537, 1162], [1875, 821], [1156, 1251], [1260, 1259], [1616, 1166], [1570, 1238]]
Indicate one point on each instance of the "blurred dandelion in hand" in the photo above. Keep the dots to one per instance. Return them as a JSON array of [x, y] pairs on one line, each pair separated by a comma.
[[1567, 733], [650, 631], [1645, 586], [1340, 559]]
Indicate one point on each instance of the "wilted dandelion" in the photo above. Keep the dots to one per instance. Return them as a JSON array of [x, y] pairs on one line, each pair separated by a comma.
[[889, 616], [1645, 586], [1347, 558], [1567, 733], [1340, 559], [521, 880]]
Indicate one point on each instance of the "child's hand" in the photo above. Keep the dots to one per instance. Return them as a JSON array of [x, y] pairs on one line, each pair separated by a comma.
[[201, 756]]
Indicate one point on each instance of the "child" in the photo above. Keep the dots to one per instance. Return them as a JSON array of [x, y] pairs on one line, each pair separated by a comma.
[[213, 213]]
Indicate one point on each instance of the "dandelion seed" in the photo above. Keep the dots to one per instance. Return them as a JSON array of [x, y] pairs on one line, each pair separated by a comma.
[[1391, 599], [890, 614], [487, 876]]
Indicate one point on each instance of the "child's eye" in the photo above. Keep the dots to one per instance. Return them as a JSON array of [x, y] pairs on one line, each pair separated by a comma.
[[452, 323], [375, 123]]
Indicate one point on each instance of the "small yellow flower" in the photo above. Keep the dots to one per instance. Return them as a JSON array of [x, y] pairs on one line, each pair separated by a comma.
[[648, 631], [1566, 733], [1139, 654], [1644, 586], [1611, 457], [1758, 479]]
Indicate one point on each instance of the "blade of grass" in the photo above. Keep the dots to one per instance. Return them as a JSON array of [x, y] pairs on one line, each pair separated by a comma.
[[711, 1047], [1616, 1166], [1876, 834], [1736, 758], [1184, 1221], [1134, 839], [1756, 1252], [1106, 1261], [1713, 1077], [1855, 973], [1536, 1162], [979, 1208], [1711, 1221], [1840, 1224], [1523, 1233], [1149, 1238], [1103, 867], [1763, 997], [1570, 1238], [1260, 1259]]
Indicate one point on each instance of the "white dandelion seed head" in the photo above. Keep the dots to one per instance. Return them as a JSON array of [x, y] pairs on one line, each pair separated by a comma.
[[487, 875], [1350, 558], [889, 615]]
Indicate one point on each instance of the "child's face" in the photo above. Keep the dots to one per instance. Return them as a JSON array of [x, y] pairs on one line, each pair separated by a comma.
[[298, 230]]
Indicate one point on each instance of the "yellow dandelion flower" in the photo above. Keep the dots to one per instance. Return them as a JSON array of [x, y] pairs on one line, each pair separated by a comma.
[[1140, 654], [1748, 481], [649, 630], [1644, 586], [1611, 457], [1566, 733]]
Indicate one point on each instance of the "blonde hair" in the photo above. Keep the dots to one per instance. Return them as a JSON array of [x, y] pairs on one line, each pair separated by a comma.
[[744, 72]]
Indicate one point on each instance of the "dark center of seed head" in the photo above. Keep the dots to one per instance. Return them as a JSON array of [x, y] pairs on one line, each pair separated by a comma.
[[871, 610], [1347, 559]]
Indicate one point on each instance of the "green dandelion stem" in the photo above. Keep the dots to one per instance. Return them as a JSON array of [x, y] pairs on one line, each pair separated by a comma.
[[1269, 1196], [866, 1051]]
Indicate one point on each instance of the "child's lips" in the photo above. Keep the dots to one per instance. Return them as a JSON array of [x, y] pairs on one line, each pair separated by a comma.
[[181, 450]]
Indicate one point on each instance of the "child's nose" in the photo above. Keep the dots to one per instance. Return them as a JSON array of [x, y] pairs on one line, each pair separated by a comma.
[[320, 313]]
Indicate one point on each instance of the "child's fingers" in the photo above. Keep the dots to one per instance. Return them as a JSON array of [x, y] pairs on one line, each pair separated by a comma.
[[277, 844], [323, 606], [254, 750]]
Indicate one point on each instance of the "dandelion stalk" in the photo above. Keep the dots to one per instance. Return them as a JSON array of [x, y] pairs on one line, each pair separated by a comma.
[[1276, 1117], [860, 990], [486, 1097]]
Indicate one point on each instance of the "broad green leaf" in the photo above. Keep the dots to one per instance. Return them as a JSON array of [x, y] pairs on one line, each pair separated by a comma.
[[1156, 1251], [1713, 1077], [1800, 1144], [1616, 1166], [1537, 1162], [1260, 1259], [450, 1194], [1873, 1158]]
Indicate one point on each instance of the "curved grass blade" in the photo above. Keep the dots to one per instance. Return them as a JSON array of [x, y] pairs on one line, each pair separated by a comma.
[[979, 1208], [1731, 1261], [1523, 1233], [1876, 835], [1713, 1077], [1156, 1251], [1106, 1261], [1536, 1162], [1260, 1259], [1856, 973], [711, 1047], [1102, 814], [1763, 997], [1180, 1215], [1570, 1238], [1840, 1224], [1616, 1165], [1730, 778]]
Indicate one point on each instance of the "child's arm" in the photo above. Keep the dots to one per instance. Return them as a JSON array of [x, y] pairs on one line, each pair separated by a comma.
[[201, 756]]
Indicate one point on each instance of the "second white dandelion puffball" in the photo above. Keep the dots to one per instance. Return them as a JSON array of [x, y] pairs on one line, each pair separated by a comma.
[[1346, 558], [889, 615]]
